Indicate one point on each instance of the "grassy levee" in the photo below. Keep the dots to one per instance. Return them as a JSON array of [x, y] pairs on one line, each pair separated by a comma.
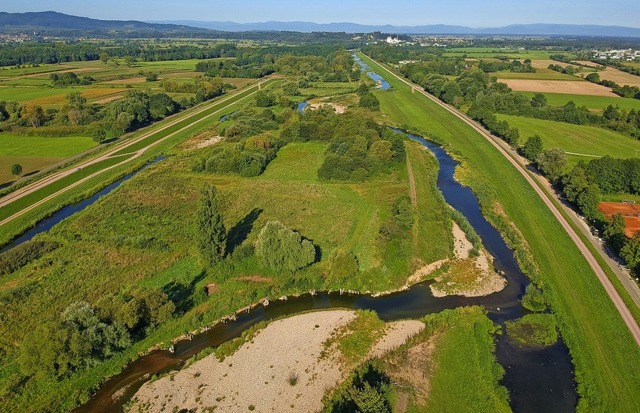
[[606, 358], [190, 125]]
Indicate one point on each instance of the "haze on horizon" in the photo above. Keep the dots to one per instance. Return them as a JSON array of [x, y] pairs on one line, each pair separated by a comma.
[[472, 13]]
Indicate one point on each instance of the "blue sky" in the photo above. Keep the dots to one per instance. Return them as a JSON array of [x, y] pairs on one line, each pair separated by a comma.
[[474, 13]]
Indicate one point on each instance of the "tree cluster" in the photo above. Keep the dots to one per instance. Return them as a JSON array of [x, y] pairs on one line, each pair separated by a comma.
[[85, 335], [69, 79]]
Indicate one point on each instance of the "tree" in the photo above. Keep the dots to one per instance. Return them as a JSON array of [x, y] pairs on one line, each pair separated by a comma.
[[593, 77], [264, 99], [532, 148], [283, 249], [539, 100], [614, 232], [370, 101], [16, 169], [33, 114], [630, 252], [552, 162], [212, 235]]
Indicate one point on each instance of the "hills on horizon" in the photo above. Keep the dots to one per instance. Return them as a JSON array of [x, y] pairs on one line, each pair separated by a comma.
[[538, 29], [54, 21]]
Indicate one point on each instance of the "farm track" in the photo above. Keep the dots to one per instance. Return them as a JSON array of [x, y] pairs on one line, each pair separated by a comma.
[[115, 152], [546, 195]]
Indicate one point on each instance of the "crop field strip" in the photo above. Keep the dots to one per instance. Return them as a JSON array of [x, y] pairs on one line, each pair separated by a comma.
[[589, 321]]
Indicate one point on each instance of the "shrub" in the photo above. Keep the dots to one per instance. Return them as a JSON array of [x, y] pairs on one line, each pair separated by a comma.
[[23, 254], [342, 264], [283, 249]]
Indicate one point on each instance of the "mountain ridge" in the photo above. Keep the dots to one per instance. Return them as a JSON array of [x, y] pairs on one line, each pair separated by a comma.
[[51, 20]]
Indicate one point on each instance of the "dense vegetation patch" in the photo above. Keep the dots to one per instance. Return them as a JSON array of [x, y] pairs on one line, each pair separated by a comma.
[[533, 330]]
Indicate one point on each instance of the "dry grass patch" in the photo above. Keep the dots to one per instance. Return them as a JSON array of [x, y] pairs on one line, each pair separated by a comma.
[[558, 86], [620, 77]]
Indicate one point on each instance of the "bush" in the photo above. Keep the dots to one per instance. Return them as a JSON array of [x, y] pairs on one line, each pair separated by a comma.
[[342, 264], [283, 249], [533, 299], [21, 255]]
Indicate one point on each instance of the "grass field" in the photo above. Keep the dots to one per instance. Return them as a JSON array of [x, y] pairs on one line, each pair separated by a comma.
[[578, 139], [34, 153], [487, 52], [587, 319], [596, 103], [589, 140]]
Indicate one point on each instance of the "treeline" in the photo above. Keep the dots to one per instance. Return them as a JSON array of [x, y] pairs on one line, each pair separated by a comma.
[[516, 66], [13, 54], [315, 62], [567, 70], [625, 91]]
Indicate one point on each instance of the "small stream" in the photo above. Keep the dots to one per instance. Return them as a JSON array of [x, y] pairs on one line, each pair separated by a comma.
[[382, 83], [538, 380], [65, 212]]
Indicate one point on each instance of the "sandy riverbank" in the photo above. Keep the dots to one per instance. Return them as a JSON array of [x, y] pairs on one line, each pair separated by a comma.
[[280, 370]]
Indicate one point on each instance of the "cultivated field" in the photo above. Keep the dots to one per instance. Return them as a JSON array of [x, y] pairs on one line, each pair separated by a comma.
[[589, 141], [34, 153], [558, 86], [540, 74], [620, 77], [491, 52]]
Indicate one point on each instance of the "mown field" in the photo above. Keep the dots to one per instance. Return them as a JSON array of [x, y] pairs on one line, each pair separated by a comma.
[[606, 358], [540, 74], [595, 103], [590, 141], [34, 153], [142, 236], [489, 52]]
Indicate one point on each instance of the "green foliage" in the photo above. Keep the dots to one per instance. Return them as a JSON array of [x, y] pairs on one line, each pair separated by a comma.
[[533, 299], [265, 99], [16, 169], [552, 162], [614, 232], [580, 190], [211, 233], [532, 148], [77, 341], [370, 101], [365, 391], [342, 265], [282, 249], [465, 376], [533, 330], [21, 255], [630, 252]]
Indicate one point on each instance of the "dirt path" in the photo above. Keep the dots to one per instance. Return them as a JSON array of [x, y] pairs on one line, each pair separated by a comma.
[[546, 197], [111, 153]]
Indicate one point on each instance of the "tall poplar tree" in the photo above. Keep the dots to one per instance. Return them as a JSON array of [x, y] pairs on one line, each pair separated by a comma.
[[211, 233]]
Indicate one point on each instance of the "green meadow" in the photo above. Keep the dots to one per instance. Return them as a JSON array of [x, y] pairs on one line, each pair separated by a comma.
[[34, 153], [587, 141]]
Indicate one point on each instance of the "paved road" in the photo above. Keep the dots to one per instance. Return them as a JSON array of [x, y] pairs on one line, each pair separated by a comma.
[[512, 157], [111, 153]]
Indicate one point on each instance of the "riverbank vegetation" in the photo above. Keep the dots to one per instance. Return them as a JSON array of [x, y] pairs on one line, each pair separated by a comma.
[[452, 355]]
